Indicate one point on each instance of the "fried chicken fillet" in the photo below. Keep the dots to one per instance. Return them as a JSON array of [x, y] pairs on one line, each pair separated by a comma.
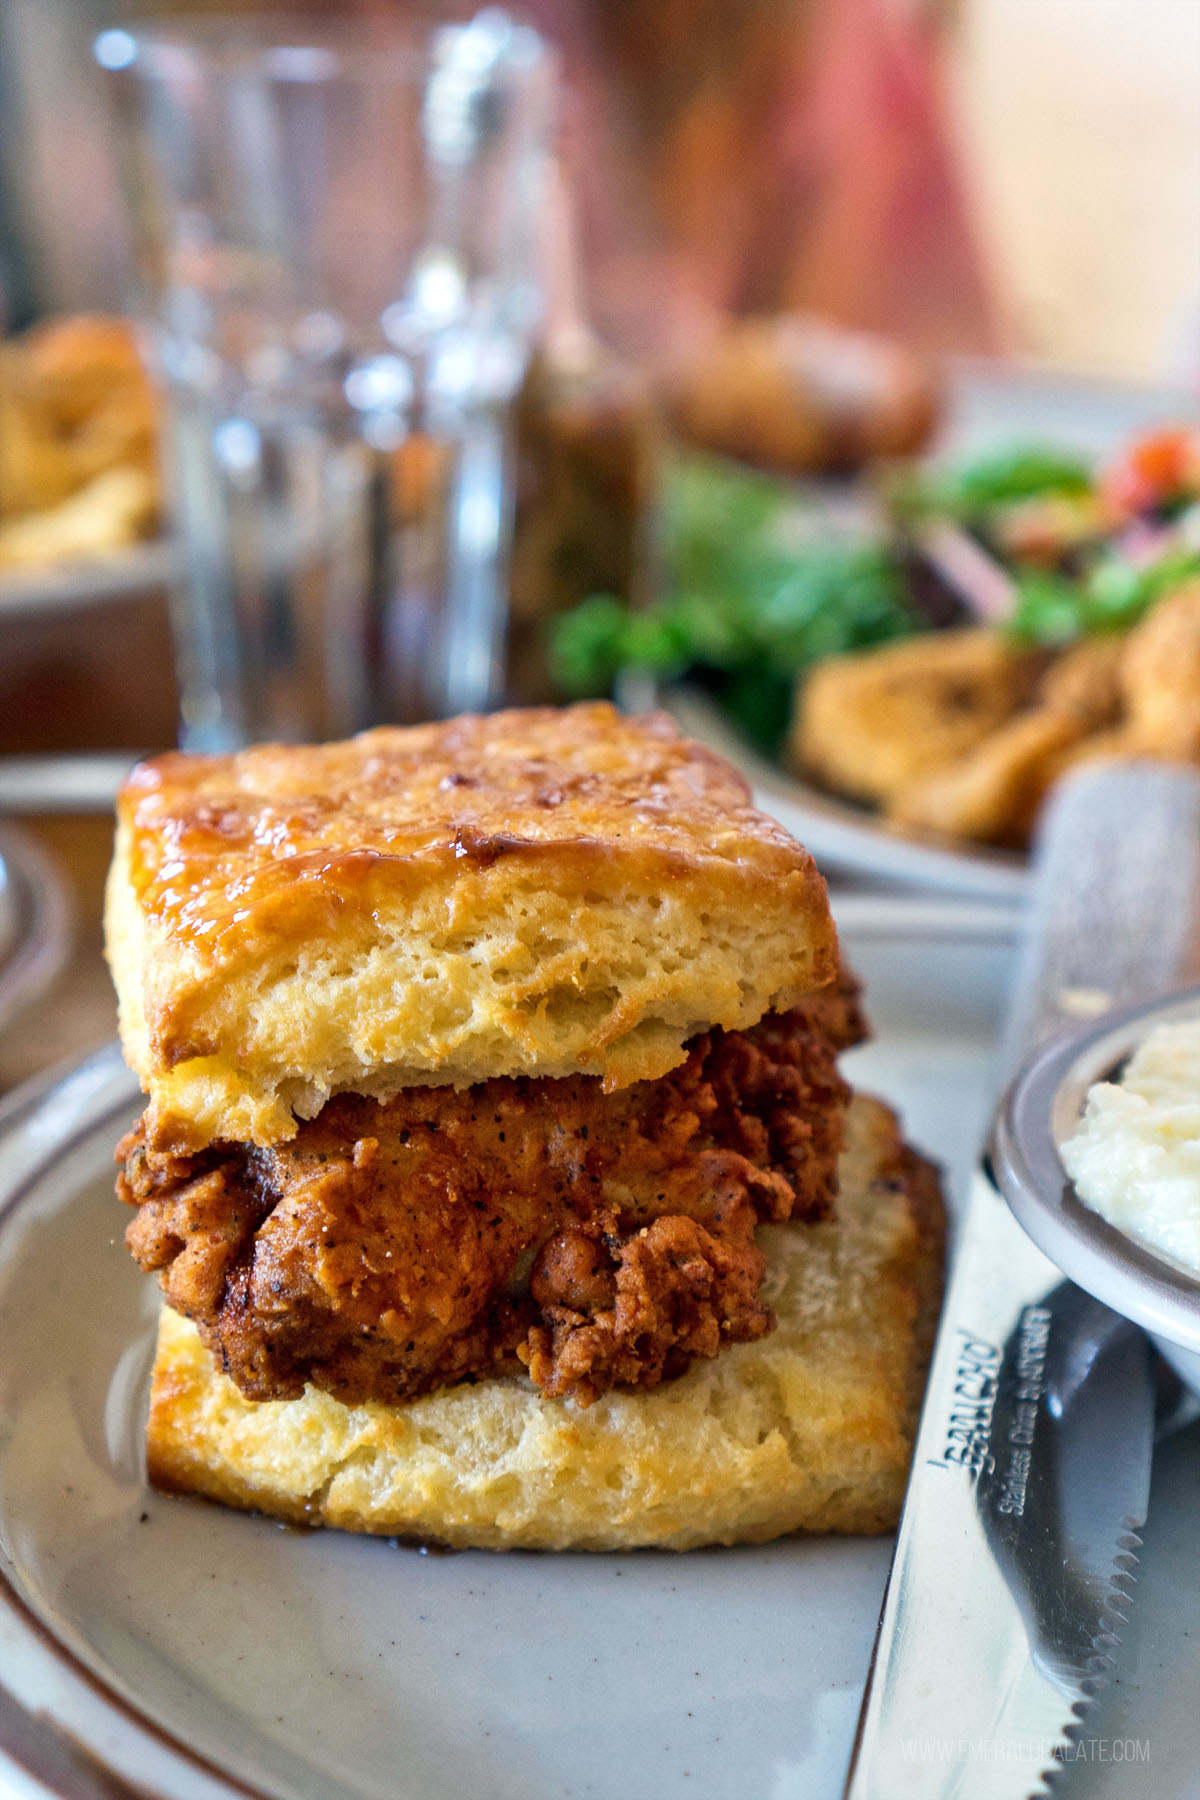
[[593, 1238]]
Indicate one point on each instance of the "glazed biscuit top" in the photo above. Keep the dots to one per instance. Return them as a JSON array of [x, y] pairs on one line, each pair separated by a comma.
[[218, 840], [538, 891]]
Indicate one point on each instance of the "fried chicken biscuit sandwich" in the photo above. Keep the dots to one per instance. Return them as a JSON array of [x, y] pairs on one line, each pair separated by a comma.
[[496, 1167]]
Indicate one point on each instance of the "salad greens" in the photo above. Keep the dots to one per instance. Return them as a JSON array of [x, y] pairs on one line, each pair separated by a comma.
[[1111, 595], [748, 600], [969, 489], [740, 601]]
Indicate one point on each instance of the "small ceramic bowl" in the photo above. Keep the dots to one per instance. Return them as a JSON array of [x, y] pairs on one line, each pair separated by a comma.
[[1039, 1112]]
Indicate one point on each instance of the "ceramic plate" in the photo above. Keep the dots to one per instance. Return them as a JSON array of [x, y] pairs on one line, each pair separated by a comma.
[[203, 1654]]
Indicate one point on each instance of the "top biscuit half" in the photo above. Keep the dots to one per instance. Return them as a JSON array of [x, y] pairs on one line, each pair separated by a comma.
[[538, 892]]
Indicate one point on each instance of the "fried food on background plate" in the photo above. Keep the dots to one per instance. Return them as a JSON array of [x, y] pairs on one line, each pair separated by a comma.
[[963, 733], [78, 362], [993, 794], [34, 472], [1085, 679], [121, 433], [871, 723], [78, 442], [1160, 678], [113, 510], [1134, 693]]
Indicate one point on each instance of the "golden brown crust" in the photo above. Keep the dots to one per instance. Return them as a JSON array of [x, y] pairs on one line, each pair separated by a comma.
[[809, 1429], [272, 835], [541, 891]]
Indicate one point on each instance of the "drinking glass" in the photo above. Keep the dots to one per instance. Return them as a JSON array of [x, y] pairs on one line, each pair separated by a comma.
[[336, 239]]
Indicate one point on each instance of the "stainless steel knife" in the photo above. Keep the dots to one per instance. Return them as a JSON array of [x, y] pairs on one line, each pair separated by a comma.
[[1030, 1481]]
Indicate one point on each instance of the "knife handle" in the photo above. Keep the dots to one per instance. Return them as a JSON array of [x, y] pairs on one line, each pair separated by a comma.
[[1114, 912]]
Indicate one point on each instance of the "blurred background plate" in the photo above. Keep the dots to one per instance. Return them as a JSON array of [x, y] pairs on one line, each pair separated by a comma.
[[122, 574], [992, 402]]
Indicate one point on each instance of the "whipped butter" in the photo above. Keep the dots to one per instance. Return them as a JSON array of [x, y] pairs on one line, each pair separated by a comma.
[[1135, 1156]]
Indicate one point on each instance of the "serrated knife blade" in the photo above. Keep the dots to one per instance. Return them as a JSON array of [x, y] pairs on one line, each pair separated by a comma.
[[1017, 1548]]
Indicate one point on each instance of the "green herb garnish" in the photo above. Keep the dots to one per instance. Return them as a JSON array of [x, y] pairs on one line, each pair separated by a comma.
[[1112, 595], [970, 489], [742, 606]]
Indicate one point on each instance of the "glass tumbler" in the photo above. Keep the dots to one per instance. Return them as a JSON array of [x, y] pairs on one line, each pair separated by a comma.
[[336, 240]]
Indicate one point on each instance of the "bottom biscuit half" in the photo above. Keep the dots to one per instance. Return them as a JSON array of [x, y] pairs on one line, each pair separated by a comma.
[[808, 1429]]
